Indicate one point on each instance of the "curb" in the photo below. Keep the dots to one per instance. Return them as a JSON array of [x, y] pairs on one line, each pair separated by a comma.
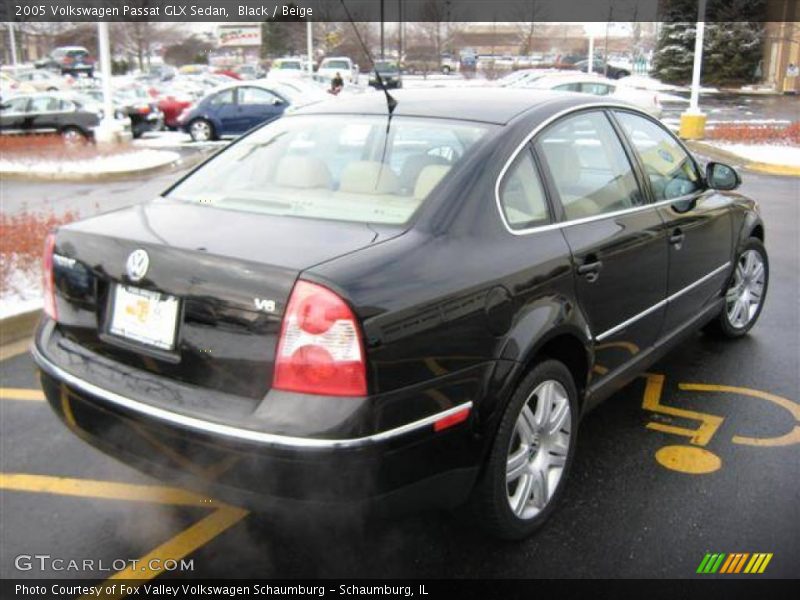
[[187, 162], [18, 327], [740, 161]]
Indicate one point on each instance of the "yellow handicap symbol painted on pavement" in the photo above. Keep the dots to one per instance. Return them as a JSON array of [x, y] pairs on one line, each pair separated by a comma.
[[695, 458]]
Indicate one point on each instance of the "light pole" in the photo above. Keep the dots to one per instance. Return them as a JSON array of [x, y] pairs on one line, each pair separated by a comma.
[[108, 130], [12, 40], [693, 121], [310, 47]]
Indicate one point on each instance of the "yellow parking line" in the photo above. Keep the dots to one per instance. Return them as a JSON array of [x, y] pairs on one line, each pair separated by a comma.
[[21, 394], [187, 541], [108, 490]]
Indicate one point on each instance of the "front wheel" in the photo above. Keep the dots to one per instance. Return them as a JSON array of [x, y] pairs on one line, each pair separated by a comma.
[[530, 458], [201, 130], [746, 292]]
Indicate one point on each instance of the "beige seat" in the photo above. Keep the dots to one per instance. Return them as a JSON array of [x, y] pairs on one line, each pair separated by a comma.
[[565, 167], [369, 177], [303, 172], [428, 178]]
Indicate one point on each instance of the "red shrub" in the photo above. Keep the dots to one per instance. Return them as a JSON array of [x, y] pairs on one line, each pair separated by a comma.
[[52, 147], [756, 134]]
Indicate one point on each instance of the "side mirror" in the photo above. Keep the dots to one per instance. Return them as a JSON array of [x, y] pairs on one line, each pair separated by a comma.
[[722, 177], [277, 101]]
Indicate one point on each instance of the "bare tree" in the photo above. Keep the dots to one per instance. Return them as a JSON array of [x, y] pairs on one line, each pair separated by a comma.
[[527, 16]]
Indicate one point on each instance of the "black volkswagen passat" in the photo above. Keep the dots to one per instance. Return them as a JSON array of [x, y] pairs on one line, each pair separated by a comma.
[[343, 309]]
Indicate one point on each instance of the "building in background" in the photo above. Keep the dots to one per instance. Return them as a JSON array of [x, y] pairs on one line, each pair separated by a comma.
[[237, 43]]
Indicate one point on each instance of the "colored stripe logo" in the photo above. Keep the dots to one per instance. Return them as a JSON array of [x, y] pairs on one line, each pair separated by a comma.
[[737, 562]]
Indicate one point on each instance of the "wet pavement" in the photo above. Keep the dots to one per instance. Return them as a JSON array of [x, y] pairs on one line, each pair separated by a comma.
[[631, 508]]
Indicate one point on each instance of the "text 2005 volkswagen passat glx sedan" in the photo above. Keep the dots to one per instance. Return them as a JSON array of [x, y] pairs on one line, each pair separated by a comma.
[[348, 309]]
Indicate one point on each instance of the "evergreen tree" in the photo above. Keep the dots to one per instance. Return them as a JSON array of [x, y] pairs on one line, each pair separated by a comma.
[[731, 48]]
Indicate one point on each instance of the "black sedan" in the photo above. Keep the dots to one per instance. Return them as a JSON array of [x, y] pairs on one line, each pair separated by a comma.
[[390, 75], [136, 105], [343, 309], [603, 68], [71, 117]]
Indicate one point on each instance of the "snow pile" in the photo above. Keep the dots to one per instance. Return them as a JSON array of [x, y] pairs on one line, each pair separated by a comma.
[[22, 292], [772, 154], [115, 163]]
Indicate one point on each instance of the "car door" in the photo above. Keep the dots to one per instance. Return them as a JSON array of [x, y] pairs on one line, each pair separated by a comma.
[[257, 106], [616, 236], [698, 220], [12, 114], [44, 114], [222, 108]]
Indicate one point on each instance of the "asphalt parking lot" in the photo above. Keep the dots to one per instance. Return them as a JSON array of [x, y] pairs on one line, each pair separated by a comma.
[[701, 455]]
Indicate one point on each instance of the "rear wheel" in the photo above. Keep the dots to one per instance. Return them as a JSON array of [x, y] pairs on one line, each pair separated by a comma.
[[201, 130], [531, 455], [73, 135], [746, 291]]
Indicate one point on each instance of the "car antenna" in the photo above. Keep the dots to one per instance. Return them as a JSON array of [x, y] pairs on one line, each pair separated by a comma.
[[391, 103]]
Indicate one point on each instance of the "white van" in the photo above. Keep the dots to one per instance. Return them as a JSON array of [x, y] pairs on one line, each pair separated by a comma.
[[342, 65]]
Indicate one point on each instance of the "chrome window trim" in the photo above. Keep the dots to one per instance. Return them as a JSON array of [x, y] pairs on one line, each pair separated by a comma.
[[237, 433], [662, 303], [563, 224]]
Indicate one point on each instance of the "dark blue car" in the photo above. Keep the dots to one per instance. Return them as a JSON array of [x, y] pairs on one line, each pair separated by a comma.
[[237, 108]]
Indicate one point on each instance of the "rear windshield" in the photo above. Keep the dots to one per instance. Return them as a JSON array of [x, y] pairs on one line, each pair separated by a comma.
[[333, 167], [336, 64]]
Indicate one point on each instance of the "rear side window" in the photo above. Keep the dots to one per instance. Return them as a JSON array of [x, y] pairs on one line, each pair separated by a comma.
[[669, 167], [224, 97], [589, 167], [521, 195]]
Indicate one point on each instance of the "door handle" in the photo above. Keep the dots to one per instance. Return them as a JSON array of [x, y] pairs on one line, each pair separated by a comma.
[[677, 238], [590, 270]]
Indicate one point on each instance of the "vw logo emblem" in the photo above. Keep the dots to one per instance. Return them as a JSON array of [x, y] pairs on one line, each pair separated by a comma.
[[137, 264]]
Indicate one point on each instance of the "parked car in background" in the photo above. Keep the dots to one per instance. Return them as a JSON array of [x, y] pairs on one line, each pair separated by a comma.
[[250, 71], [42, 80], [74, 118], [597, 86], [331, 66], [235, 109], [172, 104], [602, 68], [10, 86], [287, 67], [68, 60], [389, 72], [135, 104], [351, 312]]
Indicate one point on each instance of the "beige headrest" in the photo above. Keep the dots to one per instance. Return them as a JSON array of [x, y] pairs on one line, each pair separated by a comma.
[[303, 172], [428, 178], [369, 177]]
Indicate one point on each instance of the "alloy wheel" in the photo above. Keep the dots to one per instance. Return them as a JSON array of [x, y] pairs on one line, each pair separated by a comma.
[[745, 294], [200, 131], [538, 450]]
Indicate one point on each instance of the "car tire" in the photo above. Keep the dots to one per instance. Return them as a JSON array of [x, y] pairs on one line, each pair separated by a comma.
[[73, 135], [745, 292], [201, 130], [446, 70], [52, 89], [529, 461]]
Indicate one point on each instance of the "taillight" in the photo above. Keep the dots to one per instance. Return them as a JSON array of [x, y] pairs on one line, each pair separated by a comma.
[[320, 349], [48, 285], [143, 109]]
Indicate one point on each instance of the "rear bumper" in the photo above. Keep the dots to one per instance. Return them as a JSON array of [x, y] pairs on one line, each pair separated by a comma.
[[390, 472]]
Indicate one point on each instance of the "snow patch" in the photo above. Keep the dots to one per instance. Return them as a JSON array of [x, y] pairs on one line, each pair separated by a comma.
[[116, 163], [773, 154]]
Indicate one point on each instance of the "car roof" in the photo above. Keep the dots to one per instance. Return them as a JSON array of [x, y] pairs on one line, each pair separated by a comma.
[[488, 105]]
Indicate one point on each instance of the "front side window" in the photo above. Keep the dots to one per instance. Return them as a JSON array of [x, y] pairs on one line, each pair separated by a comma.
[[670, 169], [45, 104], [589, 167], [328, 167], [521, 195]]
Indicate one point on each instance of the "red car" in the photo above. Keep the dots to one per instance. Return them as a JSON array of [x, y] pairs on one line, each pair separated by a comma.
[[172, 104]]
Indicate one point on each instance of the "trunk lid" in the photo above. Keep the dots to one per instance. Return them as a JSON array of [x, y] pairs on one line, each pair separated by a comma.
[[231, 272]]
